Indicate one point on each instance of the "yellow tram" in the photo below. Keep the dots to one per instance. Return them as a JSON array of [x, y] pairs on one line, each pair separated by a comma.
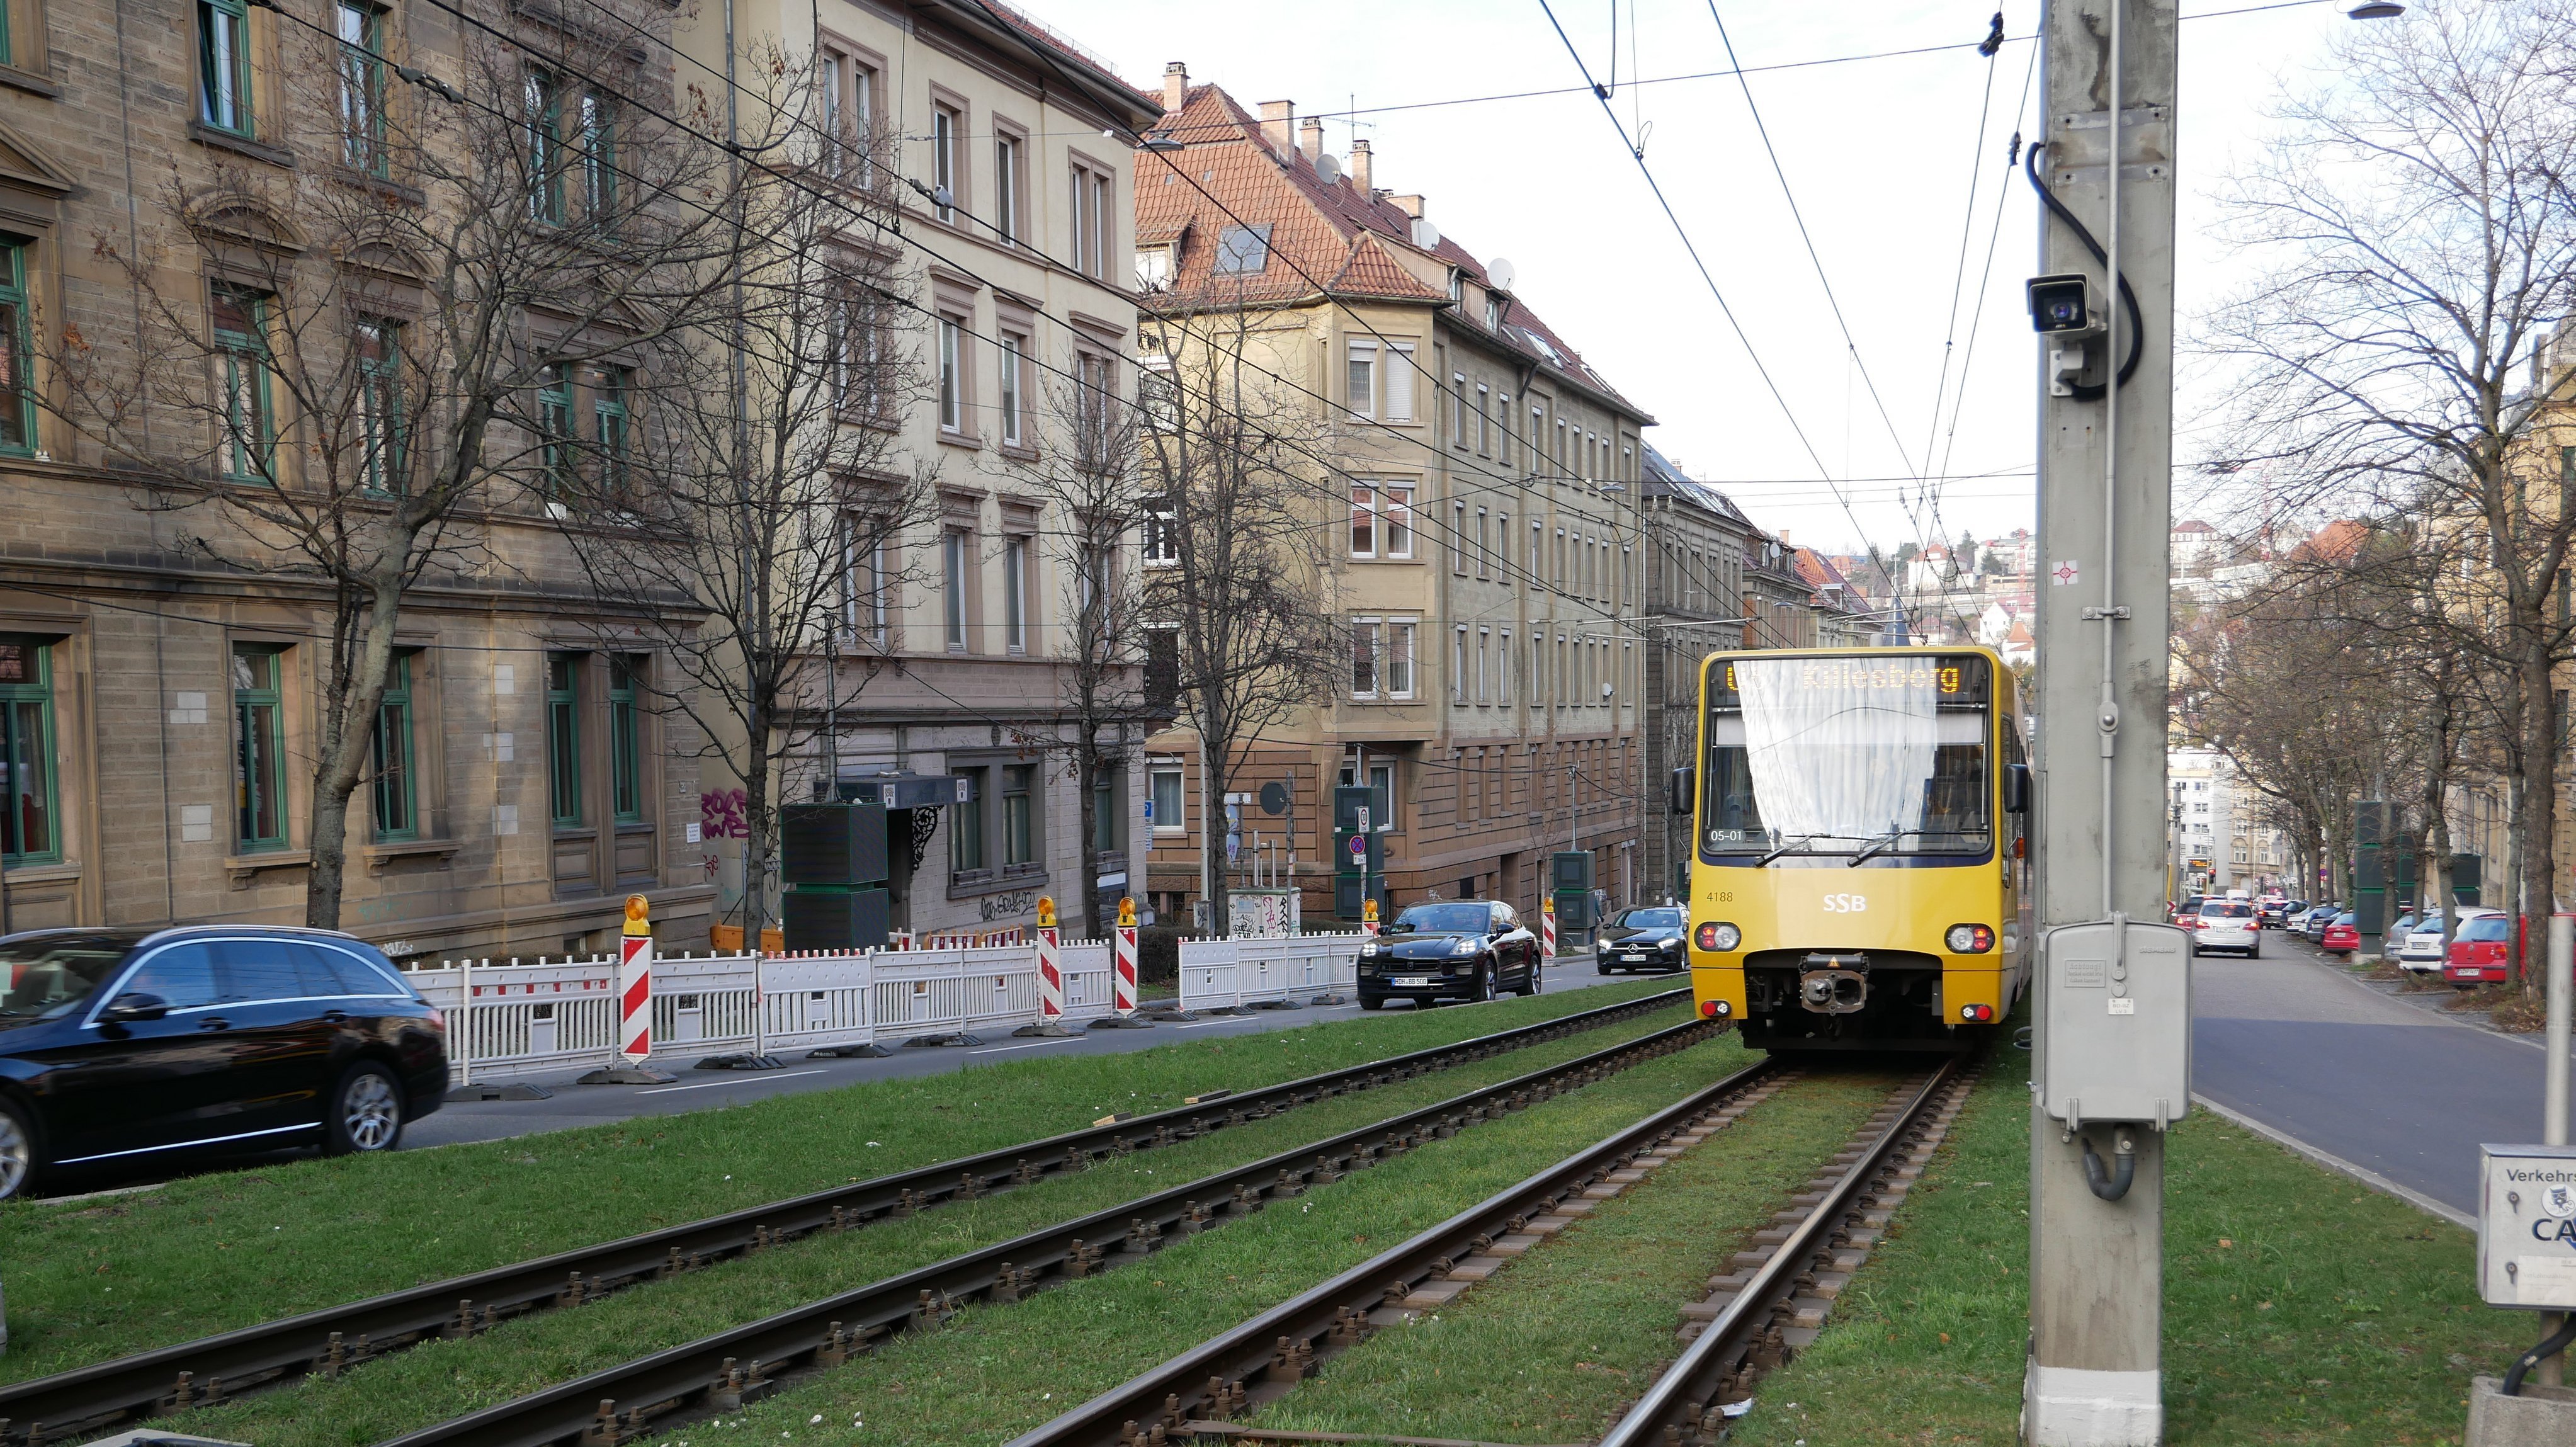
[[1859, 873]]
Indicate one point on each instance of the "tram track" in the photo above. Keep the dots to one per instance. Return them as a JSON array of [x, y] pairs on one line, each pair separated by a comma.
[[86, 1400], [1203, 1394]]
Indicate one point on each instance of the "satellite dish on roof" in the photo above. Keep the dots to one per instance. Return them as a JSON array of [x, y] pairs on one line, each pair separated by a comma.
[[1499, 273], [1425, 235], [1327, 167]]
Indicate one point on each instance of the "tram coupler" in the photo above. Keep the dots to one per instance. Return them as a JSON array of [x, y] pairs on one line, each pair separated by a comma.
[[1834, 984]]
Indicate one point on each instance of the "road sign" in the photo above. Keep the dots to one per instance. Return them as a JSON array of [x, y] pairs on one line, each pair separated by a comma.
[[1359, 846]]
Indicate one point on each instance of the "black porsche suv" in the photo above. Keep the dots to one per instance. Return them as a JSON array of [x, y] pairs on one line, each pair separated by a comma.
[[1472, 949], [1648, 937]]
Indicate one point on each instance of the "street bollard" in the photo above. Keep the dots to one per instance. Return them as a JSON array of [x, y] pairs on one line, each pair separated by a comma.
[[635, 1005]]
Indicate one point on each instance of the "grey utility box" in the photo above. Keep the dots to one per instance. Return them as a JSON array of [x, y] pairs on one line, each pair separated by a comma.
[[2527, 1227], [2115, 1023]]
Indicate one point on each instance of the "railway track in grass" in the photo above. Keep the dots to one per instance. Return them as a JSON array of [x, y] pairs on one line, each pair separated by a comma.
[[1203, 1394], [87, 1400]]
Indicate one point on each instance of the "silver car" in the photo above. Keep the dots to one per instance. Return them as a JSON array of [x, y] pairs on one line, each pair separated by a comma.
[[2423, 949], [2228, 924]]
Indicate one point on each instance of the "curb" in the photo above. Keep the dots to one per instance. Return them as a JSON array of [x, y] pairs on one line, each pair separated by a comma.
[[2333, 1162]]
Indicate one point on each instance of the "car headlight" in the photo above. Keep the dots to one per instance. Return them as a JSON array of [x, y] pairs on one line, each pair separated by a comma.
[[1671, 944], [1719, 936], [1466, 947], [1370, 952], [1969, 939]]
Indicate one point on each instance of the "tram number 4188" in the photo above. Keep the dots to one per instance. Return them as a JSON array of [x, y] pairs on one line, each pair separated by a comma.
[[1846, 904]]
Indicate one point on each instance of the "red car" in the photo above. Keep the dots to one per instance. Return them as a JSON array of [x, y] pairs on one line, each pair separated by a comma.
[[2342, 937], [2483, 952]]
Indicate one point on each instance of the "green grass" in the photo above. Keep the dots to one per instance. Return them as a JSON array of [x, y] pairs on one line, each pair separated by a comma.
[[89, 1281], [2299, 1307], [994, 1371], [1553, 1348]]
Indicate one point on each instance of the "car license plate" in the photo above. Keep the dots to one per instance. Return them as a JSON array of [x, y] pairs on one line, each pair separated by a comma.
[[1413, 982]]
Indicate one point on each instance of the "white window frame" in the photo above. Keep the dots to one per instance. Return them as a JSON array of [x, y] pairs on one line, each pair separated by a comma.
[[952, 390], [1397, 389], [1503, 419], [1015, 594], [1458, 410], [1370, 642], [1484, 419], [1158, 543], [1009, 152], [1503, 669], [1401, 657], [1359, 378], [1153, 267], [1458, 664], [1013, 352], [1484, 647], [1364, 515], [1154, 772], [1395, 519]]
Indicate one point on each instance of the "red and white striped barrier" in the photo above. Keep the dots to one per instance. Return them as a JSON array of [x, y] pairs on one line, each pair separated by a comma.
[[1122, 979], [1547, 928], [1050, 967], [634, 1006]]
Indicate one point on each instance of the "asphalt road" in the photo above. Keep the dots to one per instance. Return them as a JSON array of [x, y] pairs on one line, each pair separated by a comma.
[[2383, 1083]]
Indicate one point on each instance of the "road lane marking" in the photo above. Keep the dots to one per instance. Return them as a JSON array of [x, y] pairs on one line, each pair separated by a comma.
[[1032, 1045], [711, 1084]]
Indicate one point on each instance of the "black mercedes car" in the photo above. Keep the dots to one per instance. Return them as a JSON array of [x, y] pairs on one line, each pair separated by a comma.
[[118, 1045], [1474, 949], [1648, 937]]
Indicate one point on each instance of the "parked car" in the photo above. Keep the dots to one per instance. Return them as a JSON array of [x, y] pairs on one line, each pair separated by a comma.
[[2483, 954], [2276, 913], [136, 1043], [2418, 948], [2343, 936], [2315, 922], [1472, 949], [2228, 924], [1648, 937], [2188, 907]]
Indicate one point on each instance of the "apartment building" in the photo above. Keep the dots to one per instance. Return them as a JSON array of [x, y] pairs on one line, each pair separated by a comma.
[[1695, 604], [164, 647], [1005, 150], [1479, 483]]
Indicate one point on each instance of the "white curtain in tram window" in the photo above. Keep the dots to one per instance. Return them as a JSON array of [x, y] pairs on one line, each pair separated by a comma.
[[1839, 749]]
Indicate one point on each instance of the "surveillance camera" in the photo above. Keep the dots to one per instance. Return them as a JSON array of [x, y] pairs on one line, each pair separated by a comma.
[[2063, 304]]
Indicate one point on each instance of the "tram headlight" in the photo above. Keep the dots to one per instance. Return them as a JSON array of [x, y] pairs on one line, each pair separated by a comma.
[[1969, 939], [1720, 937]]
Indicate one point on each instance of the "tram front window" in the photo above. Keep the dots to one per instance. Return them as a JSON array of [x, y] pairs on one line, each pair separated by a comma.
[[1865, 756]]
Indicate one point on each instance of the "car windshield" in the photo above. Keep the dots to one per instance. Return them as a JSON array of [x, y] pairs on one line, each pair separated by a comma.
[[1842, 756], [1650, 919], [1443, 919], [2347, 917], [46, 975], [2226, 909], [2486, 929]]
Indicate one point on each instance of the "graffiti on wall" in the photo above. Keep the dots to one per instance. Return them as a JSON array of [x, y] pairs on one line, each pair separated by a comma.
[[720, 814], [1004, 906]]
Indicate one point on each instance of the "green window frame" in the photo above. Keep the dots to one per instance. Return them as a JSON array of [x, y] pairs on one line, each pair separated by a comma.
[[1108, 818], [380, 415], [223, 66], [598, 159], [4, 34], [625, 740], [259, 748], [556, 444], [246, 453], [609, 421], [544, 158], [362, 85], [17, 337], [1019, 817], [966, 825], [30, 827], [563, 740], [397, 800]]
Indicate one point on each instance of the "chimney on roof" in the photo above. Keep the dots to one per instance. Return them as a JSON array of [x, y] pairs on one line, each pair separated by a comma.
[[1275, 115], [1409, 205], [1360, 165], [1310, 139], [1176, 85]]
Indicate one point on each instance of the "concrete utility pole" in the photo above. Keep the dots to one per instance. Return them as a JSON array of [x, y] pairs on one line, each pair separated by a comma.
[[2097, 1265]]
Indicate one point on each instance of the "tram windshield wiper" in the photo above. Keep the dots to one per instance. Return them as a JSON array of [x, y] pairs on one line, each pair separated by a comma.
[[1879, 845], [1790, 847]]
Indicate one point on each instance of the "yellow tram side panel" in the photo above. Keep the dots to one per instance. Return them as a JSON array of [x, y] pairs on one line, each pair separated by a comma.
[[1903, 909]]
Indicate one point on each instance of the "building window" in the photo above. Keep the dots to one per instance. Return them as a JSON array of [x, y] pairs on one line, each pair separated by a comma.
[[952, 587], [380, 421], [362, 86], [1165, 784], [563, 740], [223, 65], [625, 740], [1458, 409], [27, 831], [1365, 642], [1503, 669], [245, 453], [1158, 395], [945, 127], [557, 447], [598, 158], [1162, 538], [1006, 189], [1108, 814], [847, 116], [966, 825], [543, 119], [1019, 825], [1153, 267], [1484, 646], [1015, 594], [1363, 520], [1395, 509], [1503, 425], [1458, 665], [1458, 538], [1362, 390], [259, 750], [609, 429], [952, 402], [1014, 352], [17, 347], [1484, 541], [1381, 782], [1092, 222], [390, 757], [1484, 419], [1243, 250], [863, 557], [1399, 381]]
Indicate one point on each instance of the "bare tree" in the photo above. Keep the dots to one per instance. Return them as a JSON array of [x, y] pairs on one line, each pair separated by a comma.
[[2419, 237], [1237, 595], [344, 366], [766, 522]]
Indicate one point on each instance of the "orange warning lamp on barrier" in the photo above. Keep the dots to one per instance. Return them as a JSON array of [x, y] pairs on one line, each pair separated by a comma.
[[1368, 911], [1046, 912], [1127, 912], [636, 908]]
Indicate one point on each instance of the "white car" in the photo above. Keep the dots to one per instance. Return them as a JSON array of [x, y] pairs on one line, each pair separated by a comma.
[[2424, 949], [2228, 924]]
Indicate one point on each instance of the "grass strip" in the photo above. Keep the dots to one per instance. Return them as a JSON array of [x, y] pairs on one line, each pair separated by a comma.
[[2299, 1307], [91, 1281], [1553, 1348], [438, 1380]]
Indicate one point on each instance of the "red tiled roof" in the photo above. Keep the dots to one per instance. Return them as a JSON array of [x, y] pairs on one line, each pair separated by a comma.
[[2337, 542], [1064, 46], [1326, 236]]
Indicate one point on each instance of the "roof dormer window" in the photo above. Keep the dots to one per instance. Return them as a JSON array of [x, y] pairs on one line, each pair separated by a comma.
[[1458, 285], [1495, 305]]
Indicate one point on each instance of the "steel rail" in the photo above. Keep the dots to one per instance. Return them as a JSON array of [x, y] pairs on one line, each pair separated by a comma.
[[722, 1371], [1678, 1408], [328, 1340], [1266, 1355]]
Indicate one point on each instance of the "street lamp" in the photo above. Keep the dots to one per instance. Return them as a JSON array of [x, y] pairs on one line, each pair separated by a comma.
[[2376, 10]]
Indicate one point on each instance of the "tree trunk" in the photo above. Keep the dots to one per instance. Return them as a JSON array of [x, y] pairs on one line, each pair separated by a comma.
[[2537, 822], [1212, 782], [344, 759], [757, 830], [1086, 777]]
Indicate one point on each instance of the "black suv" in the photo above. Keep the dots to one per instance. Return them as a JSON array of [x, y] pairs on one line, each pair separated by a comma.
[[125, 1044], [1648, 937], [1474, 949]]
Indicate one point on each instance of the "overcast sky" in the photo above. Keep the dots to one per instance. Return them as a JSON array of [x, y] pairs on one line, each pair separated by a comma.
[[1878, 152]]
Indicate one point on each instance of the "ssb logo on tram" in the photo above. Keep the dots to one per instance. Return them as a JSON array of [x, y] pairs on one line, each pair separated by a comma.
[[1846, 904]]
